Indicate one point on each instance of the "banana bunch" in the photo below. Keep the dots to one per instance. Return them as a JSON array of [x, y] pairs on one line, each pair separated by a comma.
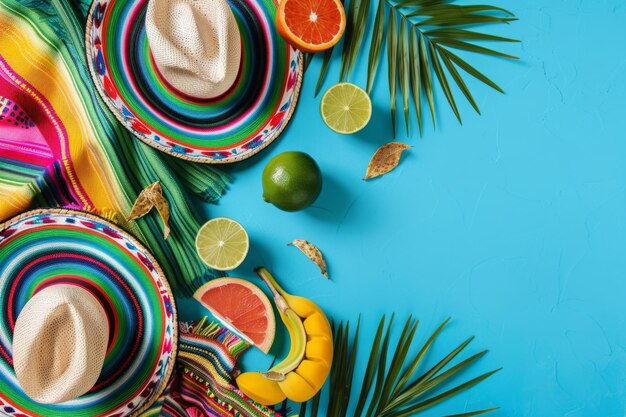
[[304, 370]]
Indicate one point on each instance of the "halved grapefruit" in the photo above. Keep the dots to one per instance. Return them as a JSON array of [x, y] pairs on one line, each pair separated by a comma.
[[311, 25], [242, 307]]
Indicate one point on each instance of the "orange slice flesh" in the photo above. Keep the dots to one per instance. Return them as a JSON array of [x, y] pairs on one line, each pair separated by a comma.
[[241, 306], [311, 25]]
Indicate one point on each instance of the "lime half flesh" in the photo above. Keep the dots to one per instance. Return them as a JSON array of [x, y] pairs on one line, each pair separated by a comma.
[[346, 108], [222, 243]]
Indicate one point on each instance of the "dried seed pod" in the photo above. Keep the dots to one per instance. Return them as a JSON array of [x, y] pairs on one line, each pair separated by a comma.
[[313, 253], [150, 197], [386, 158]]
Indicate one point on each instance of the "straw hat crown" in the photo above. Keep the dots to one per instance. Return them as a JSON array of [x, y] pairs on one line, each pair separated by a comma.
[[59, 344], [195, 44]]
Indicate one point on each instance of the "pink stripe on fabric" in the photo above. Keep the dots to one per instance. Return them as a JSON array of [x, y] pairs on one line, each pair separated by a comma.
[[39, 109]]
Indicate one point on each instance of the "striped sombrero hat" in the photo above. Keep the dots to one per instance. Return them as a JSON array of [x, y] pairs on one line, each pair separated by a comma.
[[47, 248], [228, 128]]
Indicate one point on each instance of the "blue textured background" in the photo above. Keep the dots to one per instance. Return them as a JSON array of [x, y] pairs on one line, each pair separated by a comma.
[[514, 224]]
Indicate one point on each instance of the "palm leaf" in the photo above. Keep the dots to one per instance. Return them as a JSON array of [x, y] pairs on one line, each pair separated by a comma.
[[457, 78], [380, 378], [420, 3], [406, 394], [375, 47], [463, 20], [357, 24], [403, 72], [443, 80], [475, 413], [433, 383], [348, 37], [445, 376], [469, 69], [408, 374], [423, 405], [416, 389], [420, 34], [370, 370], [414, 78], [336, 378], [399, 358], [453, 10], [392, 57], [308, 57], [349, 372], [393, 395], [315, 405], [323, 70], [457, 44], [427, 79], [465, 34], [283, 407]]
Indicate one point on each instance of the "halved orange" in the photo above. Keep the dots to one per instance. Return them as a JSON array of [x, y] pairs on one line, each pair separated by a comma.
[[311, 25], [242, 307]]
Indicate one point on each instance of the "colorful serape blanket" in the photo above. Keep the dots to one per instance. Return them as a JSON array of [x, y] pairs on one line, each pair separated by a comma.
[[60, 147], [203, 381]]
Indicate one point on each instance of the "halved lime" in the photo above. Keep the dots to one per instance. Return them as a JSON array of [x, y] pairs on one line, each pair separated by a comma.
[[346, 108], [222, 244]]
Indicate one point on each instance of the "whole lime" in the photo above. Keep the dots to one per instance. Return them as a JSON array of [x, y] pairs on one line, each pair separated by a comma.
[[291, 181]]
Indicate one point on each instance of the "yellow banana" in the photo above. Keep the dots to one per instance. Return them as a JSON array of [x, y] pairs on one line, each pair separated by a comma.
[[260, 389], [263, 387], [297, 335], [296, 379]]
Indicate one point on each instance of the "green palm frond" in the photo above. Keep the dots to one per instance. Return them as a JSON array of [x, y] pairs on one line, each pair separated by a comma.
[[422, 39], [391, 385]]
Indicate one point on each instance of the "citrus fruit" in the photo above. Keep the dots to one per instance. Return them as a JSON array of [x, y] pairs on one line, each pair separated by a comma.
[[222, 243], [311, 25], [346, 108], [291, 181], [242, 307]]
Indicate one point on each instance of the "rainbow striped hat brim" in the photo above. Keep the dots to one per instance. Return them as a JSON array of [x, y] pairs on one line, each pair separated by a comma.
[[43, 248], [229, 128]]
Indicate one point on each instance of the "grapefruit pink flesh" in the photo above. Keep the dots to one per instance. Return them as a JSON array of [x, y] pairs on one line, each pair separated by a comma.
[[241, 306]]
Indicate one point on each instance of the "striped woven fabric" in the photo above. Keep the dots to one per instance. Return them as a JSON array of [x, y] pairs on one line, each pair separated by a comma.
[[203, 384], [60, 146]]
